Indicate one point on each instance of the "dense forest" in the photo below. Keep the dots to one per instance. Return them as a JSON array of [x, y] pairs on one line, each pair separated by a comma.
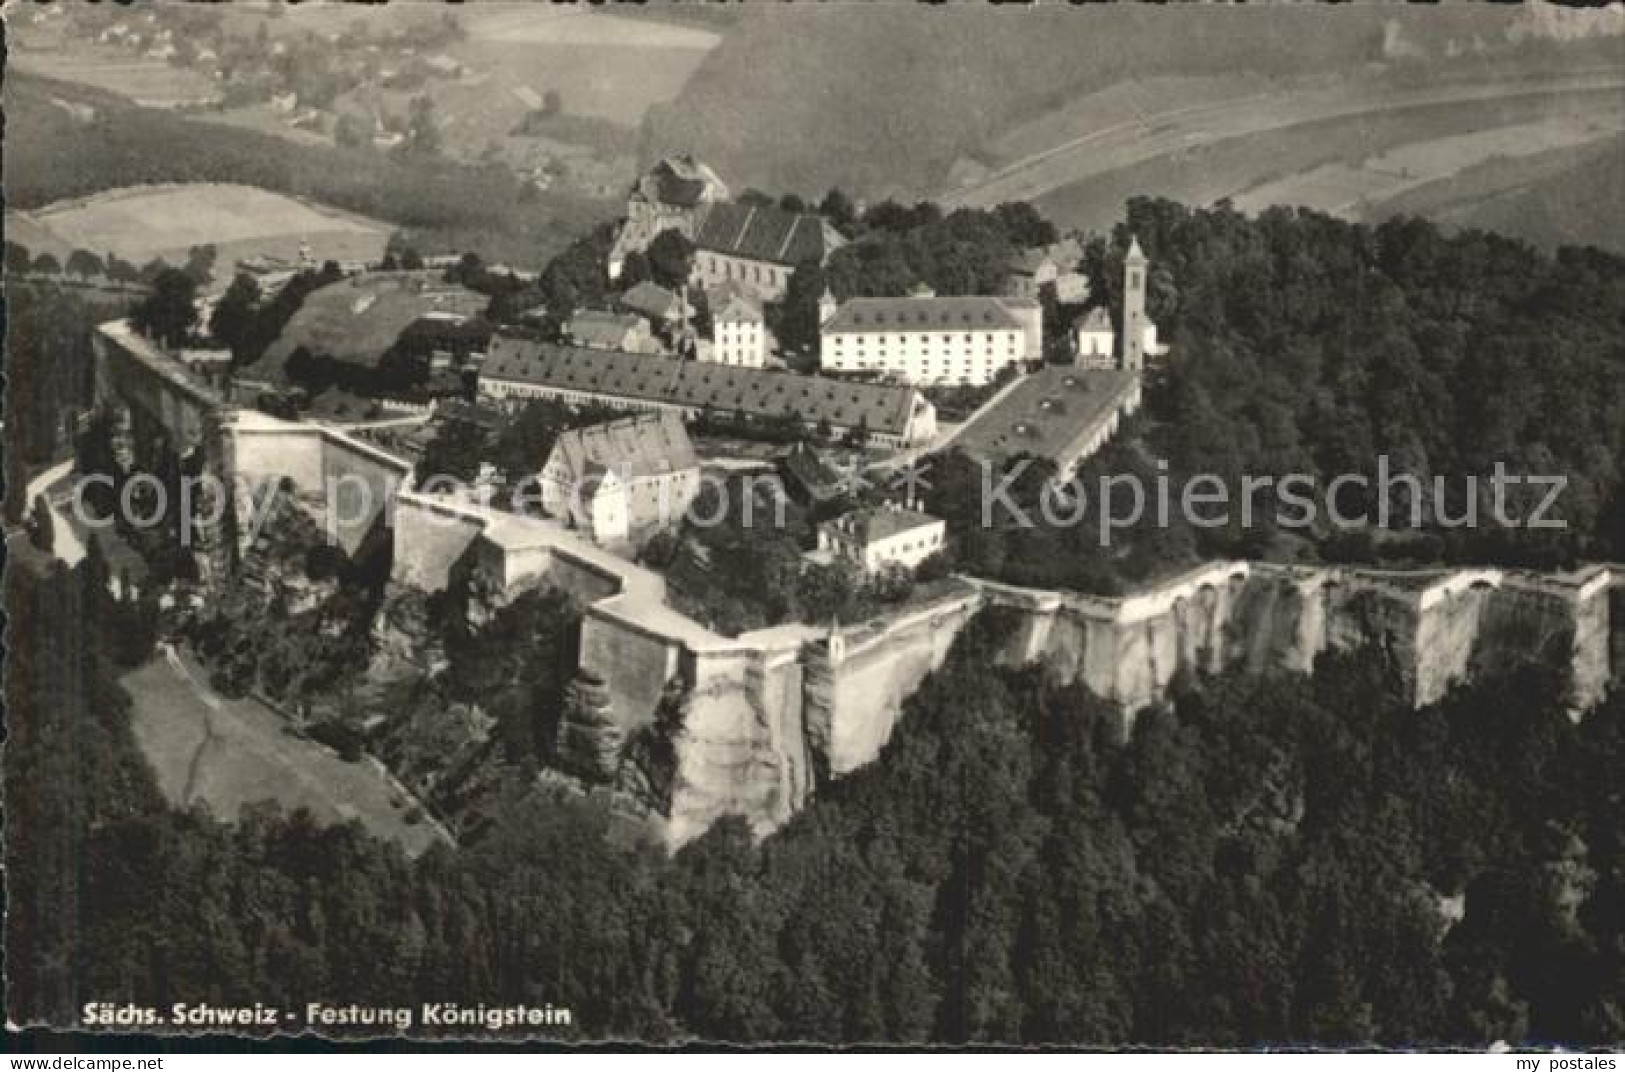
[[1301, 344], [49, 369], [1275, 859]]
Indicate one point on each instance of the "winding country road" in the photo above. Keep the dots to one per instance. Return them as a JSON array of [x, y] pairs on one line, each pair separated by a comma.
[[65, 543], [210, 707], [1158, 134]]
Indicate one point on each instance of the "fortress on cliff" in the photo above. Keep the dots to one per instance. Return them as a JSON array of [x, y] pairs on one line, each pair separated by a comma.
[[753, 725]]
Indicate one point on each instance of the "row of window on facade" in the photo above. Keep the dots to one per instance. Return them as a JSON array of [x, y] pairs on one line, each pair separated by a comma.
[[752, 273], [925, 337], [499, 389], [838, 344]]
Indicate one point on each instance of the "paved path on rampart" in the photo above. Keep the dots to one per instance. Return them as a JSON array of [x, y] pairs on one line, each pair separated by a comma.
[[65, 543]]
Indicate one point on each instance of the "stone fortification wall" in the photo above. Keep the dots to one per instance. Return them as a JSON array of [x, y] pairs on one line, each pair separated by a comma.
[[1442, 626], [857, 679], [349, 483], [431, 537]]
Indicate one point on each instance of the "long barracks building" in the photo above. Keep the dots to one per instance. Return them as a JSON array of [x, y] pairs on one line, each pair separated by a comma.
[[517, 369]]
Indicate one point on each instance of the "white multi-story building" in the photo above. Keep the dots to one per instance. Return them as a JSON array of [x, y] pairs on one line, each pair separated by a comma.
[[739, 334], [1097, 339], [883, 536], [931, 340]]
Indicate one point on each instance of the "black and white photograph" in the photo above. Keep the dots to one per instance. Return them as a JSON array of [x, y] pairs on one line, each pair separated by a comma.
[[759, 525]]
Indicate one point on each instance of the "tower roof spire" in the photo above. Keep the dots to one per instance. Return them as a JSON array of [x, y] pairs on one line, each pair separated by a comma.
[[1135, 253]]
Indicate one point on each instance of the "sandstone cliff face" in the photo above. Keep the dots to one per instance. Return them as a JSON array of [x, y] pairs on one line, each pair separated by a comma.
[[1439, 629], [755, 733], [741, 748], [691, 732], [1616, 617], [859, 681]]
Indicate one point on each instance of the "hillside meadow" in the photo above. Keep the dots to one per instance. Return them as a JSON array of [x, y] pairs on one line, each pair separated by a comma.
[[803, 97], [165, 221], [103, 142]]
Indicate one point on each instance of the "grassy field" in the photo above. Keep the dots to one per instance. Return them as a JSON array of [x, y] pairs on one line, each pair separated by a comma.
[[150, 82], [1203, 171], [141, 223], [883, 101], [604, 66], [1474, 103], [446, 207], [1358, 188], [1125, 102], [357, 319], [228, 753], [1565, 197]]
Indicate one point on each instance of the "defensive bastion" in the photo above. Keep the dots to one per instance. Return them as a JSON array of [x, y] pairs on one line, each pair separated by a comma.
[[756, 723], [752, 725]]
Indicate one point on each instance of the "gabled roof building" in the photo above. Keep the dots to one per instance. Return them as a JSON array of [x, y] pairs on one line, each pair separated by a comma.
[[517, 369], [622, 478], [657, 303], [757, 247], [881, 536], [671, 196], [739, 333], [931, 340], [1057, 265], [597, 329]]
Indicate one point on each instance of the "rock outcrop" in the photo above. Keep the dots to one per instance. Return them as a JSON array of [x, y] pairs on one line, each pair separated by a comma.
[[740, 749], [753, 727], [589, 744]]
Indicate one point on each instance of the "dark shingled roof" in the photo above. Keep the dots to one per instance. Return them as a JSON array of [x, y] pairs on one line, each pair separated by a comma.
[[802, 464], [883, 408], [653, 301], [678, 180], [765, 234], [1047, 415], [879, 315]]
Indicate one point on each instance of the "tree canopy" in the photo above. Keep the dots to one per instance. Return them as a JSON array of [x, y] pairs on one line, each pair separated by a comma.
[[1266, 861], [169, 313]]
